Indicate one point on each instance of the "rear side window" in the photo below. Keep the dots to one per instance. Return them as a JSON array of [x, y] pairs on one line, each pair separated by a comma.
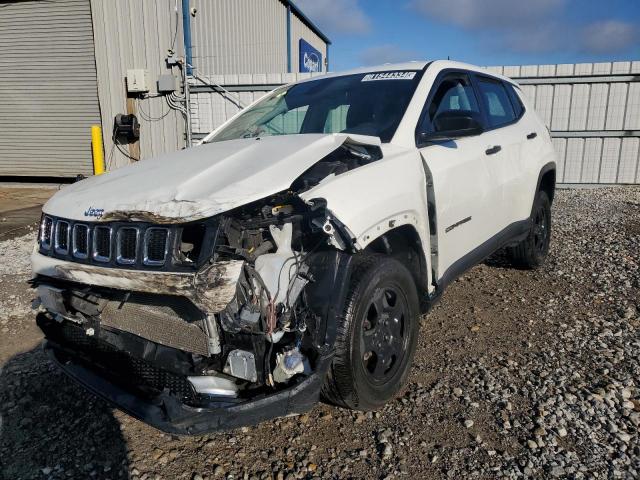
[[515, 100], [496, 102]]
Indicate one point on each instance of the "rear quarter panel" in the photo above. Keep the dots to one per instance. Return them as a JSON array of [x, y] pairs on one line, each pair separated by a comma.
[[537, 155]]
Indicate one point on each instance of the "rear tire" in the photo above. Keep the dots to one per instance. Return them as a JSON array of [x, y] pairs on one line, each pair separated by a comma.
[[377, 336], [531, 252]]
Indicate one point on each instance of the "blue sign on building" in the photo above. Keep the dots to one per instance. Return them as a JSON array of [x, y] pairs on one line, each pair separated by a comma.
[[310, 58]]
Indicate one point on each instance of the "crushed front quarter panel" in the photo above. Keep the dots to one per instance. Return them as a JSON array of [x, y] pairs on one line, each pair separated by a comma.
[[379, 197]]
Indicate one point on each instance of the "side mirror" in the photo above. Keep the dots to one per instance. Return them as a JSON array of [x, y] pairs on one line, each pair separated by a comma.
[[452, 124]]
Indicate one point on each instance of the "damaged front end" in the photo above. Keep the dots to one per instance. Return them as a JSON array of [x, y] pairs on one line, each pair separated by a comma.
[[207, 325]]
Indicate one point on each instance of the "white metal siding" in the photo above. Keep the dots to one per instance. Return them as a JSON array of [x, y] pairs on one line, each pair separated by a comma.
[[137, 34], [239, 36], [48, 88], [587, 114]]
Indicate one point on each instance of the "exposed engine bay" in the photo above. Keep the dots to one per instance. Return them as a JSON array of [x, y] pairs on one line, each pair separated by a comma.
[[241, 306]]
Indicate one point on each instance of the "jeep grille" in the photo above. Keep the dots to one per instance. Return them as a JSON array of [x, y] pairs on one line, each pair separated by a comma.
[[117, 244]]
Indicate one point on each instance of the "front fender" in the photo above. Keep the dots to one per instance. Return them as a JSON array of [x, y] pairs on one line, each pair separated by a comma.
[[378, 197]]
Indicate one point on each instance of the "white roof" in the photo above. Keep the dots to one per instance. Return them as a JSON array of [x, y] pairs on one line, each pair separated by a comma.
[[413, 65]]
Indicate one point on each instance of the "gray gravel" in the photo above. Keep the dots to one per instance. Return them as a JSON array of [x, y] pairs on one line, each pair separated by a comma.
[[15, 271], [15, 253], [518, 374]]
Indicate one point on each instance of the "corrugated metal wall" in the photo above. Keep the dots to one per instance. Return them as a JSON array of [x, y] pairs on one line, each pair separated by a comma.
[[239, 36], [48, 88], [300, 30], [246, 37], [593, 111], [137, 34]]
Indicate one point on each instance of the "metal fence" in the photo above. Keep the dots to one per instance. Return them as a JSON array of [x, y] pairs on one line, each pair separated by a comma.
[[592, 110]]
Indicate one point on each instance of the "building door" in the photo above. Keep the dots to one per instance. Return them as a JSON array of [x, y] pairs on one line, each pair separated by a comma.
[[48, 88]]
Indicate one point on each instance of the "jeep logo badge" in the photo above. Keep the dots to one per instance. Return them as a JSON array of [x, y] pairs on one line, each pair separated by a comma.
[[94, 212]]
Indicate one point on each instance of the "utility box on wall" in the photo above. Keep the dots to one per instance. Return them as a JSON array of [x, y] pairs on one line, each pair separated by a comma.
[[137, 80]]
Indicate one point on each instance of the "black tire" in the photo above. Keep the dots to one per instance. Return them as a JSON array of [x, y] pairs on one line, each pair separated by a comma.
[[380, 320], [532, 251]]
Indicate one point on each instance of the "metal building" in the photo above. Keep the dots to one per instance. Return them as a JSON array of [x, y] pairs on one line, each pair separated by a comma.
[[255, 36], [65, 62]]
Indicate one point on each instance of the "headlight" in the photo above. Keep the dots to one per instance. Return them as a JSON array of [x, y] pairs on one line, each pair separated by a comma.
[[46, 232]]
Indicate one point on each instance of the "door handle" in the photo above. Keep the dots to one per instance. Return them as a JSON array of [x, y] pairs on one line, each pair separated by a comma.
[[493, 150], [532, 135]]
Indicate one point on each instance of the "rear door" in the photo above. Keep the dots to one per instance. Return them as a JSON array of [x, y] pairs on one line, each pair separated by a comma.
[[505, 137], [532, 134], [464, 190]]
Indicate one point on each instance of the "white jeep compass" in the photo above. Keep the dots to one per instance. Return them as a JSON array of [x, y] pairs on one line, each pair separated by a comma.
[[289, 257]]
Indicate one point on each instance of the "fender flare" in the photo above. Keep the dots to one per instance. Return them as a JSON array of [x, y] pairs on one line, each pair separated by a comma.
[[551, 166]]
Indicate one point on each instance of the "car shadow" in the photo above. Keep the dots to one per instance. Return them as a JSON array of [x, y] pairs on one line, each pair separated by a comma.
[[499, 259], [51, 428]]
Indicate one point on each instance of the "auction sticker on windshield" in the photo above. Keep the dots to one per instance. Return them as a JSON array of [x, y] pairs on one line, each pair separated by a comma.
[[370, 77]]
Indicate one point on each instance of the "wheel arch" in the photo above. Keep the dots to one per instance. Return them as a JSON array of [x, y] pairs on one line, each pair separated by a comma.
[[547, 180], [404, 244]]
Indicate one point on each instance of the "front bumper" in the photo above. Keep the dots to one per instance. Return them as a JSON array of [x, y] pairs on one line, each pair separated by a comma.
[[167, 413], [211, 289], [149, 383]]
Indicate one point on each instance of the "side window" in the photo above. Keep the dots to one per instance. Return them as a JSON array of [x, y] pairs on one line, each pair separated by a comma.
[[518, 107], [454, 92], [496, 101]]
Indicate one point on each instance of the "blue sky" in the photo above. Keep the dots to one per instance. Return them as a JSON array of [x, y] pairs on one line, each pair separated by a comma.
[[482, 32]]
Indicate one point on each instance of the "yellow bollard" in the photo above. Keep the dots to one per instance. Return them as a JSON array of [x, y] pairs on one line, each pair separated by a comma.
[[96, 148]]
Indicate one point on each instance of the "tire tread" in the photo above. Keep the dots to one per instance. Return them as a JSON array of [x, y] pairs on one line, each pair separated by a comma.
[[339, 387], [523, 254]]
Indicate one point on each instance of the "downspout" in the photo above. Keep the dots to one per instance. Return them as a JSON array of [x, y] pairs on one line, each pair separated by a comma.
[[288, 38], [186, 35], [188, 70], [327, 58]]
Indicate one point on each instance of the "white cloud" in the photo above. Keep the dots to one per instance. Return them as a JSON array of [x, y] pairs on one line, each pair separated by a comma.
[[386, 53], [336, 16], [609, 36], [604, 37], [530, 26], [476, 14]]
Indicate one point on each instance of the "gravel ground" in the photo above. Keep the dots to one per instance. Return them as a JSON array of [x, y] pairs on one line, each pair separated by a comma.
[[517, 374], [15, 271]]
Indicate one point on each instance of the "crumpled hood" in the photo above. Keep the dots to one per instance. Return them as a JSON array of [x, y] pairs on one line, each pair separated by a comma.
[[198, 182]]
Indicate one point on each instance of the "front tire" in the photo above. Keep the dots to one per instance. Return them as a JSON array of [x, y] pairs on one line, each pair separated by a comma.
[[377, 336], [531, 252]]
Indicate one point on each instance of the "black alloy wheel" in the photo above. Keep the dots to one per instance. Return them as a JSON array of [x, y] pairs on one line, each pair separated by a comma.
[[532, 251], [383, 338], [377, 336], [541, 229]]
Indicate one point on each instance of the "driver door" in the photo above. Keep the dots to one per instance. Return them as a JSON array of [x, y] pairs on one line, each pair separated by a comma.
[[465, 195]]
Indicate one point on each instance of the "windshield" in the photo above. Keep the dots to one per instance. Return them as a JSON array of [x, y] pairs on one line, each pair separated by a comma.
[[365, 104]]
